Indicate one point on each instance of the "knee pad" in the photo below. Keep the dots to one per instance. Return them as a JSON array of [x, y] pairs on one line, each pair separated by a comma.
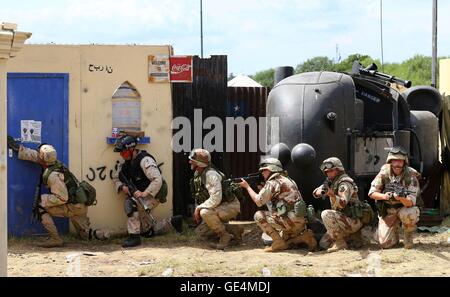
[[259, 216], [130, 207]]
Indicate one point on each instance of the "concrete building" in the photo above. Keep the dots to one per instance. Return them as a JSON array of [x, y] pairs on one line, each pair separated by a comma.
[[94, 74]]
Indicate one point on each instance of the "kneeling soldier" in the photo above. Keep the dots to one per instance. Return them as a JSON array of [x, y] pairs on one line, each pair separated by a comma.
[[281, 195]]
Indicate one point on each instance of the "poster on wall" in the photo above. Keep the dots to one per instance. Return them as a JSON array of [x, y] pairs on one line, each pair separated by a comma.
[[181, 69], [30, 131], [158, 68]]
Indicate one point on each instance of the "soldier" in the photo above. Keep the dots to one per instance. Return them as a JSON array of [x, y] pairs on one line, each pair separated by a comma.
[[214, 204], [343, 194], [62, 200], [395, 190], [281, 195], [140, 179]]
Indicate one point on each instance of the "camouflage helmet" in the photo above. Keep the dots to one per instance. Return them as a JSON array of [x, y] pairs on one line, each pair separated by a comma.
[[47, 154], [125, 142], [397, 153], [201, 157], [331, 163], [271, 164]]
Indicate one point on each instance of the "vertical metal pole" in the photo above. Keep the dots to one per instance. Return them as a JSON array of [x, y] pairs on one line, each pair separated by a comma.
[[434, 45], [201, 29], [381, 35], [3, 170]]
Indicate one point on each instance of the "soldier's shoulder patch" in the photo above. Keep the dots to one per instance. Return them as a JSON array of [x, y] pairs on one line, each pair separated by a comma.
[[148, 162], [342, 188]]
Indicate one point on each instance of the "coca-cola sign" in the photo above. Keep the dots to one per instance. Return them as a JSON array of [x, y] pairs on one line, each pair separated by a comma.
[[181, 68]]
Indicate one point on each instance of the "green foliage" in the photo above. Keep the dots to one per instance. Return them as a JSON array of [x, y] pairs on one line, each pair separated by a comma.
[[265, 77], [315, 64], [417, 69]]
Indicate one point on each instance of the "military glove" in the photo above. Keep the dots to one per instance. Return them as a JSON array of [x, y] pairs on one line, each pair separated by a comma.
[[12, 144]]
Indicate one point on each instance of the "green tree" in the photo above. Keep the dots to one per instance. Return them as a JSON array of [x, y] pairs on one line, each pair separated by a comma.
[[347, 64], [265, 77], [315, 64]]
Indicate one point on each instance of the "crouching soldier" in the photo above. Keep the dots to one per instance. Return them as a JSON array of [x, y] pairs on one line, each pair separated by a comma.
[[140, 179], [282, 223], [62, 201], [214, 204], [395, 190], [344, 220]]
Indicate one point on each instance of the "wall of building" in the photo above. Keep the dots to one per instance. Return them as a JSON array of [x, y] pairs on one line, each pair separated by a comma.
[[95, 72]]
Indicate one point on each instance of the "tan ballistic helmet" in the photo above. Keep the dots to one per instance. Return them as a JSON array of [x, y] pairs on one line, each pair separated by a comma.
[[397, 153], [332, 163], [271, 164], [201, 157], [47, 153]]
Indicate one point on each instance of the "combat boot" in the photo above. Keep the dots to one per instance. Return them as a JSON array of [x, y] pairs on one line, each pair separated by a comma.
[[236, 231], [408, 239], [278, 243], [307, 237], [356, 239], [224, 240], [54, 240], [339, 244], [177, 223], [148, 234], [132, 240], [51, 242]]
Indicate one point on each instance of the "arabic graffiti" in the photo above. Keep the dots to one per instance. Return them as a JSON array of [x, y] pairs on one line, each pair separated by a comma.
[[101, 172], [93, 68]]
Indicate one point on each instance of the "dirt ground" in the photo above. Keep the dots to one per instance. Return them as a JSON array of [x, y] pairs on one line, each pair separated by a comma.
[[183, 255]]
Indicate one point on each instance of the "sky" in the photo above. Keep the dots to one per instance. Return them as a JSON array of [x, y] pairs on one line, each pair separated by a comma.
[[254, 34]]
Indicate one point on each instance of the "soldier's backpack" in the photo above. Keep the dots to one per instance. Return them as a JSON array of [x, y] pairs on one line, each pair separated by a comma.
[[79, 192]]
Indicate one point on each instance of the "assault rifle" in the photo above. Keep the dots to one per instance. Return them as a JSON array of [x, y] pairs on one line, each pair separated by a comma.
[[251, 178], [132, 189], [326, 186], [397, 188]]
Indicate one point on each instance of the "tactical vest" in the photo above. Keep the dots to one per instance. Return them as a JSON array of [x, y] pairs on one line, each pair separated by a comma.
[[133, 171], [69, 179], [284, 203], [348, 210], [198, 189], [408, 174]]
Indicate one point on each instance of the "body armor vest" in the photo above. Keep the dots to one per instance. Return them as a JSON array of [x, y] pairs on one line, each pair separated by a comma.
[[133, 171], [198, 189]]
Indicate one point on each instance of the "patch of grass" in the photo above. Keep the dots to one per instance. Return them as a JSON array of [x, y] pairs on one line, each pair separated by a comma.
[[280, 270], [255, 270], [188, 236], [309, 273], [157, 268], [395, 258]]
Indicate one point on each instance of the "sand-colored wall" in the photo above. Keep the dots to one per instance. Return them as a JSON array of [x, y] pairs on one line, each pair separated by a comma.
[[90, 113]]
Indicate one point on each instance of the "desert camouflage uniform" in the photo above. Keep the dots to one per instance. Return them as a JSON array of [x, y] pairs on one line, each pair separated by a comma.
[[337, 224], [141, 222], [214, 210], [57, 204], [387, 234], [282, 191]]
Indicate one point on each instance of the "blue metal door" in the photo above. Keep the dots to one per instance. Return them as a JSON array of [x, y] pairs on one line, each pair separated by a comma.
[[41, 97]]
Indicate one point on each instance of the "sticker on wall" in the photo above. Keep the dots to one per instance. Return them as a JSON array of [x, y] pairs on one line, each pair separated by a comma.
[[158, 68], [30, 131]]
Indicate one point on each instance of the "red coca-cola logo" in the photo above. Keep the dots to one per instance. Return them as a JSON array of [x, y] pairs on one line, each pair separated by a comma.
[[181, 68], [178, 68]]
